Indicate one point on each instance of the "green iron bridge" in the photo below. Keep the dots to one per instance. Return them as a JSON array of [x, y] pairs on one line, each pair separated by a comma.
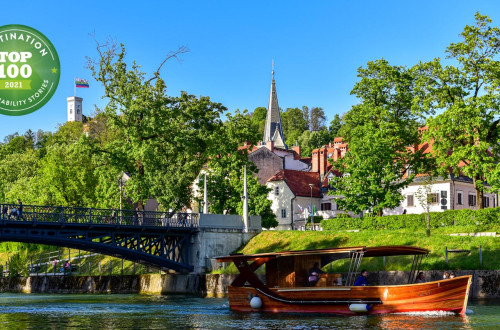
[[159, 239]]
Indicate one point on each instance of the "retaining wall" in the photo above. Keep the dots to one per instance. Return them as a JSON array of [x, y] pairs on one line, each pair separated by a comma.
[[485, 283]]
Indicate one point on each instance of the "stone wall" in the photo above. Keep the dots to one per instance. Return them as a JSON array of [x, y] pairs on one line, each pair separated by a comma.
[[219, 235], [485, 283], [147, 284]]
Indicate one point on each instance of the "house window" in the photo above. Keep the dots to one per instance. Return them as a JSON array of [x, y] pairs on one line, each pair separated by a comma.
[[276, 191], [326, 206], [283, 213], [409, 200], [486, 202], [460, 198], [434, 198], [472, 200]]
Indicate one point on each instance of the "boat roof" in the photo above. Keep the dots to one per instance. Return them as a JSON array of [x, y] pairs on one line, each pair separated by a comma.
[[343, 252]]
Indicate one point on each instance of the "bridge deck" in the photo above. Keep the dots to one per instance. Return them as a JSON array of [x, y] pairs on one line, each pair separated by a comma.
[[79, 216]]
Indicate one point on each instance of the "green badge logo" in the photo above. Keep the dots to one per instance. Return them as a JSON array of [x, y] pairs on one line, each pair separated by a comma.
[[29, 70]]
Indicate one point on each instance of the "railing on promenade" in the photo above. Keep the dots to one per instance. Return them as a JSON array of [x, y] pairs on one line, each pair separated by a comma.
[[82, 215]]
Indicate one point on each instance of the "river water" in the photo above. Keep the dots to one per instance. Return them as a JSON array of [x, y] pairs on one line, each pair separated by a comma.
[[29, 311]]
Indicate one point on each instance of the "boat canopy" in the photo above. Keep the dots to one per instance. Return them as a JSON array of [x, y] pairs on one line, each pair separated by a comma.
[[332, 253]]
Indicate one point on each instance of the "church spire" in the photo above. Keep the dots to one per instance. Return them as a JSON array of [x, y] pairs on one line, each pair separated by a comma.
[[273, 130]]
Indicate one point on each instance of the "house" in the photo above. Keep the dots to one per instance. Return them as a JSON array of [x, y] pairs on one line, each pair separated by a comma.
[[292, 193]]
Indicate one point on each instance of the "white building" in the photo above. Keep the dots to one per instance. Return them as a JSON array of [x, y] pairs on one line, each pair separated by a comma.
[[446, 194], [292, 194], [75, 108]]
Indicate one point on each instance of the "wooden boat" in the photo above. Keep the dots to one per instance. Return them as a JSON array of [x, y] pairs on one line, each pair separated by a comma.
[[286, 285]]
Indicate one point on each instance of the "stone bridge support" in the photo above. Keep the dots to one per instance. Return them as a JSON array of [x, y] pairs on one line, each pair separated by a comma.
[[219, 235]]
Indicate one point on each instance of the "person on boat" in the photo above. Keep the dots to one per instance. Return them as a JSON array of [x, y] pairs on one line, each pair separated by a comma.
[[420, 278], [452, 275], [314, 274], [446, 275], [362, 279]]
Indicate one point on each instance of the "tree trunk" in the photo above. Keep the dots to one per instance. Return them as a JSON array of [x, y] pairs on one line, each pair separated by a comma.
[[379, 213], [479, 192]]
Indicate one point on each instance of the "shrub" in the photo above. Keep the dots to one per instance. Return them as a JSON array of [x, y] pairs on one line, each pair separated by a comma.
[[447, 218]]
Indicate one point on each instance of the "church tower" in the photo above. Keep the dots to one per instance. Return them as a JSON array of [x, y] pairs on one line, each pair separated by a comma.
[[75, 108], [273, 130]]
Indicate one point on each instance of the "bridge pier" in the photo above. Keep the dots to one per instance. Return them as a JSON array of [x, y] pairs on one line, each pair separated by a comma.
[[219, 235]]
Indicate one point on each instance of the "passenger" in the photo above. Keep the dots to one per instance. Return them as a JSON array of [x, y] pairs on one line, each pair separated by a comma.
[[420, 278], [13, 213], [446, 276], [314, 274], [362, 279], [452, 275], [20, 210], [5, 211]]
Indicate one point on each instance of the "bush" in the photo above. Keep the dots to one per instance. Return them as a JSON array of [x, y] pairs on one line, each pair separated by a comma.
[[18, 264], [464, 217]]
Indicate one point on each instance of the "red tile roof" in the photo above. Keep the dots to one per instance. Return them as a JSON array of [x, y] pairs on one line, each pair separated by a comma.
[[299, 181], [338, 139], [325, 181]]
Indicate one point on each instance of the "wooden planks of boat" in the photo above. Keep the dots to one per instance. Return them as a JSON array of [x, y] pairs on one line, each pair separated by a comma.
[[449, 295]]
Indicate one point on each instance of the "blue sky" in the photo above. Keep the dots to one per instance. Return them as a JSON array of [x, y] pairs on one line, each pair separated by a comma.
[[317, 46]]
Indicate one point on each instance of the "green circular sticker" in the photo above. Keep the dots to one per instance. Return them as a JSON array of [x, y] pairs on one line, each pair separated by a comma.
[[29, 70]]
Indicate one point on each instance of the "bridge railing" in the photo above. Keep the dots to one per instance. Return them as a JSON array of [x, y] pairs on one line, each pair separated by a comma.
[[82, 215]]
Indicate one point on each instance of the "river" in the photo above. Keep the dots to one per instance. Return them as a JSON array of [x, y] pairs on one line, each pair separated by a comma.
[[30, 311]]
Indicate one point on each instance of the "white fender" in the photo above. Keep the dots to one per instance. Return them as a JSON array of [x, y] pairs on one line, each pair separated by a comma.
[[359, 308], [256, 302]]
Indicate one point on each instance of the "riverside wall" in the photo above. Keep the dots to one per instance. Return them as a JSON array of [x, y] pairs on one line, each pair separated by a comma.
[[485, 283]]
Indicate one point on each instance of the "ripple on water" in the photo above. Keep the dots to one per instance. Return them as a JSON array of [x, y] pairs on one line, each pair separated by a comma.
[[160, 312]]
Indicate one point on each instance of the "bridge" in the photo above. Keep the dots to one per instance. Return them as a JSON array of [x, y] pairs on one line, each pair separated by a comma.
[[159, 239]]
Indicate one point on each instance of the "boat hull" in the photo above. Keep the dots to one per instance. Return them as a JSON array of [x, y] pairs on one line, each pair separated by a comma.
[[446, 295]]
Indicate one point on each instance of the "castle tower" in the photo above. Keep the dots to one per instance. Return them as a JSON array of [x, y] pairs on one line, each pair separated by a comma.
[[273, 130], [75, 108]]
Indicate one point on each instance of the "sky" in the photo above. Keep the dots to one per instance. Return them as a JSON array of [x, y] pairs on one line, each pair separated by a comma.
[[317, 46]]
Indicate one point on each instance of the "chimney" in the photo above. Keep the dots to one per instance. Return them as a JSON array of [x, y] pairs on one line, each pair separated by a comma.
[[270, 145], [297, 150], [322, 162], [315, 161]]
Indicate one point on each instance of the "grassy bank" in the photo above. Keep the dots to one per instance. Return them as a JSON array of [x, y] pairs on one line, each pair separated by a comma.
[[273, 241]]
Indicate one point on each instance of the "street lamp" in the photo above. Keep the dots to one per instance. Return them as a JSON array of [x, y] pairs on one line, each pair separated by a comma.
[[311, 186]]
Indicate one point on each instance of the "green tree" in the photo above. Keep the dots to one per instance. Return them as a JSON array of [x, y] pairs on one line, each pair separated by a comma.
[[294, 124], [465, 135], [317, 119], [259, 121], [225, 173], [309, 141], [335, 126], [163, 139], [379, 130]]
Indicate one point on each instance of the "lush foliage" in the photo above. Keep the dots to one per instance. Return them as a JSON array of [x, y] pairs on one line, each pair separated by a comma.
[[379, 131], [225, 175], [467, 94], [480, 219]]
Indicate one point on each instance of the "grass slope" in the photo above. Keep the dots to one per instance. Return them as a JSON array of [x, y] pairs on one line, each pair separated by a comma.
[[273, 241]]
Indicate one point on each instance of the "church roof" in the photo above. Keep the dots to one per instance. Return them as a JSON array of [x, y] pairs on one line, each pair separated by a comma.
[[274, 130]]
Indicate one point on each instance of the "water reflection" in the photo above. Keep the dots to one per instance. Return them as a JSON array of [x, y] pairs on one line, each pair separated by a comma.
[[160, 312]]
